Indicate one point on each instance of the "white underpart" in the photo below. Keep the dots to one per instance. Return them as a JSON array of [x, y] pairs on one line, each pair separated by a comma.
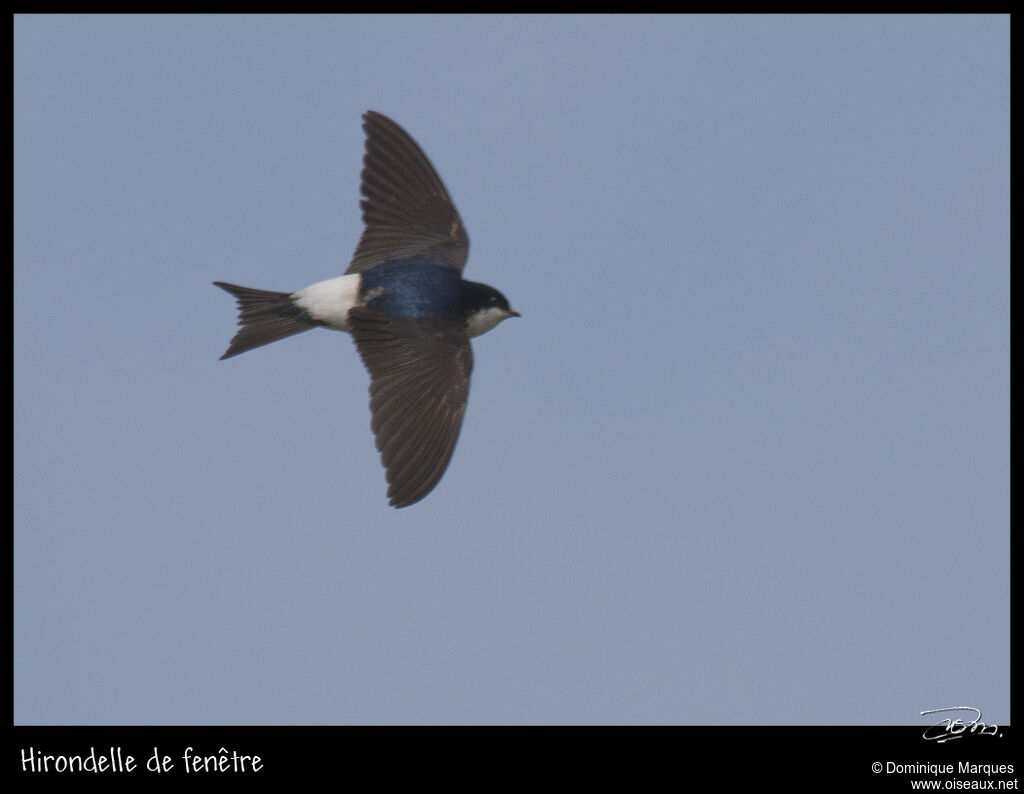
[[329, 301], [484, 320]]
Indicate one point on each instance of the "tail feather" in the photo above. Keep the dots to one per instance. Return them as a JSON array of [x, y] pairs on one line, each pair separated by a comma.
[[265, 317]]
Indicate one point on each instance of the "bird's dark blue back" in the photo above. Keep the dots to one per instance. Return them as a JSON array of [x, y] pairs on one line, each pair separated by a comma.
[[415, 288]]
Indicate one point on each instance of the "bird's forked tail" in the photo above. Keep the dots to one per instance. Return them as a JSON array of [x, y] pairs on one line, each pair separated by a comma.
[[265, 317]]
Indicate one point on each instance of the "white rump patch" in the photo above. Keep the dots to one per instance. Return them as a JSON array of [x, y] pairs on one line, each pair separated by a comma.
[[329, 301]]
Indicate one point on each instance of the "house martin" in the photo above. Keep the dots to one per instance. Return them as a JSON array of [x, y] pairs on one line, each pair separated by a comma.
[[406, 305]]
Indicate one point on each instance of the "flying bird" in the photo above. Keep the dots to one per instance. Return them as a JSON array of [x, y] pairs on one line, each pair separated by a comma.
[[406, 305]]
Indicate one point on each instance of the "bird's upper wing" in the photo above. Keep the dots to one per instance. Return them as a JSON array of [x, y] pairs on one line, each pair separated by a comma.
[[419, 383], [406, 209]]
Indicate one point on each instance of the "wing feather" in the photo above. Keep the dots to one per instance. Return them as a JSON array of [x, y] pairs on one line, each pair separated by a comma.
[[419, 385]]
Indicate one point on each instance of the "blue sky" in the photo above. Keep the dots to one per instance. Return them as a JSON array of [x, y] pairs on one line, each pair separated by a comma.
[[743, 460]]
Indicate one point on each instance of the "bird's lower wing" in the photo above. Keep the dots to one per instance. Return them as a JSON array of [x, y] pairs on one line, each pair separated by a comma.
[[419, 384]]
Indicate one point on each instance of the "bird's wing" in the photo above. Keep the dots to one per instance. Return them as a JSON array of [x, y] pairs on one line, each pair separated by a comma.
[[419, 384], [407, 210]]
